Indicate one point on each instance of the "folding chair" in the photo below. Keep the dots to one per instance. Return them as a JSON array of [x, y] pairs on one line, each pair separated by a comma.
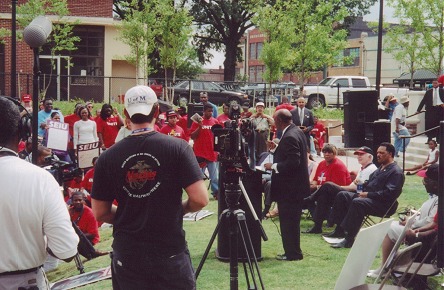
[[421, 269], [368, 221], [404, 257]]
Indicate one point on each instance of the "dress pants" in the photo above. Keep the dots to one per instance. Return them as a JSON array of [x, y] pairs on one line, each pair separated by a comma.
[[349, 211], [290, 218], [324, 197]]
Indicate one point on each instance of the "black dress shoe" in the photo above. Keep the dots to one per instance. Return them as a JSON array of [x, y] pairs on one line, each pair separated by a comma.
[[346, 243], [314, 230], [337, 233], [285, 258]]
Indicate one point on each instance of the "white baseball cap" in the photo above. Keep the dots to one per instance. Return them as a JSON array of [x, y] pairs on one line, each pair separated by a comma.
[[140, 100], [260, 104]]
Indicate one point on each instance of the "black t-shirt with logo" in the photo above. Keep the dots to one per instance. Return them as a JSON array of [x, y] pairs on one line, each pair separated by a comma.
[[146, 175]]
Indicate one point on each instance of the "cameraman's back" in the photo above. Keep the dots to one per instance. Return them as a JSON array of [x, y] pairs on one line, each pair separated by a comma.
[[31, 209]]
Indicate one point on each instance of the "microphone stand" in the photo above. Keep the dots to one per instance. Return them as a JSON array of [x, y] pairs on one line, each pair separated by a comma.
[[35, 104]]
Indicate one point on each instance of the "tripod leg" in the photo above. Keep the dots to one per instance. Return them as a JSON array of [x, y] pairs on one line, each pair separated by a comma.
[[248, 247], [234, 231], [210, 244], [79, 264]]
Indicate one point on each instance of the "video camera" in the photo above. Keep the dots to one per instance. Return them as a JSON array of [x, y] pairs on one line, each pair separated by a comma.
[[61, 170], [234, 141]]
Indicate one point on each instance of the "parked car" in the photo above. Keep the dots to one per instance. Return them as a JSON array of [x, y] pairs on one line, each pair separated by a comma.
[[216, 94]]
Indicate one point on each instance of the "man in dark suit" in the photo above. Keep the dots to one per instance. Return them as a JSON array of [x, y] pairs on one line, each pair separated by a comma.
[[289, 182], [303, 118], [434, 104]]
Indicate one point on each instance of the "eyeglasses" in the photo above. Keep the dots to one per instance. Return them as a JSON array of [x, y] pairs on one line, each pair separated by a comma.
[[90, 106]]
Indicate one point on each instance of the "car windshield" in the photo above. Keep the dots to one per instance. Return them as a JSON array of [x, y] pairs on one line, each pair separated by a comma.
[[326, 82]]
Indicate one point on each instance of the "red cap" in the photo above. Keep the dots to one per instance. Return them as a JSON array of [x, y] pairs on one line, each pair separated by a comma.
[[26, 98]]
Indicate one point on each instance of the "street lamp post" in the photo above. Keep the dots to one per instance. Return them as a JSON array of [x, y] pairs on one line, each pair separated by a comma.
[[379, 55]]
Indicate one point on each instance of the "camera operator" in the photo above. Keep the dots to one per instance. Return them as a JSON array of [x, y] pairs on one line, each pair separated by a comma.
[[43, 218], [149, 247]]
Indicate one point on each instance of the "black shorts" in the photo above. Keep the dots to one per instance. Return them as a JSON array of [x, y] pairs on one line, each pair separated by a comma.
[[143, 272]]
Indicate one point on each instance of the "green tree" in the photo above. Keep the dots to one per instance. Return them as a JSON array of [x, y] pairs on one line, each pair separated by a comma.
[[315, 36], [174, 35], [274, 23], [62, 37], [138, 30], [220, 24]]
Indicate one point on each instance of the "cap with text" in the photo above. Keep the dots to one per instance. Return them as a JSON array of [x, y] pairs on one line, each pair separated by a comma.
[[140, 100], [363, 150]]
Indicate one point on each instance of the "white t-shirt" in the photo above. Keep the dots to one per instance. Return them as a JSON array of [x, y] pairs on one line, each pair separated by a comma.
[[399, 113], [85, 132], [33, 216], [432, 156], [363, 175]]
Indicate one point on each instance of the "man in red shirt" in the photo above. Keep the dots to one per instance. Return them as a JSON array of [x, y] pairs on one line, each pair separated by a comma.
[[182, 121], [225, 116], [84, 218], [70, 120], [171, 128], [204, 146]]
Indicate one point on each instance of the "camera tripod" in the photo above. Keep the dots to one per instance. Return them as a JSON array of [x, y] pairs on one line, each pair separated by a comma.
[[236, 220]]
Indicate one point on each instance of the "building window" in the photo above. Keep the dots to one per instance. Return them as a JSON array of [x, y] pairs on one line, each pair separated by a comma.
[[259, 49], [348, 57], [253, 54]]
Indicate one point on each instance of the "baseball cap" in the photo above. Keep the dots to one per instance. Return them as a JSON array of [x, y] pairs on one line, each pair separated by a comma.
[[245, 105], [363, 150], [260, 104], [171, 113], [404, 99], [26, 98], [140, 100], [432, 172]]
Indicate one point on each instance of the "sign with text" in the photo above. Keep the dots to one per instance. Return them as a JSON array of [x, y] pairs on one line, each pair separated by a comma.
[[86, 153], [58, 134]]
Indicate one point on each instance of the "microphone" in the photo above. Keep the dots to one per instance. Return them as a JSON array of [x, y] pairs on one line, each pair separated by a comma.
[[37, 32]]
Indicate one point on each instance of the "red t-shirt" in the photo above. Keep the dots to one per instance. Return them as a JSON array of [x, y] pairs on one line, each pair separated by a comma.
[[87, 223], [74, 184], [109, 129], [204, 143], [70, 120], [222, 119], [175, 131], [318, 128], [246, 114], [183, 123], [335, 172], [87, 181]]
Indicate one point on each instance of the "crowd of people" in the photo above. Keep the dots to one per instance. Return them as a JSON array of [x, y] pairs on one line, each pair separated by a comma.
[[142, 197]]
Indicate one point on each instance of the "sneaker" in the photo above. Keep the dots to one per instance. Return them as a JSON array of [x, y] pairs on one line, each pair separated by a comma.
[[374, 273]]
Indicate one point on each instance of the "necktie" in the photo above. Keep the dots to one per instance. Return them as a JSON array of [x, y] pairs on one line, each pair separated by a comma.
[[435, 96], [301, 116]]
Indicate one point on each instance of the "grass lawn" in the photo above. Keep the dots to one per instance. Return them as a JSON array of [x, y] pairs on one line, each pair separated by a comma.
[[318, 270]]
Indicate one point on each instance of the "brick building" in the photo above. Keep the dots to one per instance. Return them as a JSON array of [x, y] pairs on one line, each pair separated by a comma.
[[97, 59]]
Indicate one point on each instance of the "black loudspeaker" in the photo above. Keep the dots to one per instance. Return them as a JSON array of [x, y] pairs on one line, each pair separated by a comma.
[[193, 109], [376, 133], [359, 107], [253, 186]]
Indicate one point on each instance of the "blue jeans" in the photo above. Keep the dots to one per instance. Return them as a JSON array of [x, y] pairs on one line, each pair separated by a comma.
[[213, 170], [398, 141]]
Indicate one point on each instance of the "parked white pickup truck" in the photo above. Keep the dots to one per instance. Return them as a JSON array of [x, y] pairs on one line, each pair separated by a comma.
[[329, 91]]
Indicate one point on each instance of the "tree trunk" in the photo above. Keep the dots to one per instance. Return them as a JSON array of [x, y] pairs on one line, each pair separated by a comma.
[[230, 61]]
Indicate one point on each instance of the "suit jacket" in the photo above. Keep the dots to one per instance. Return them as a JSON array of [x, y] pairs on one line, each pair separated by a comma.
[[308, 118], [291, 182], [431, 118]]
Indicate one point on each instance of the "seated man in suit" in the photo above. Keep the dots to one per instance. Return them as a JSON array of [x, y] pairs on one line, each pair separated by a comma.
[[326, 194], [378, 196], [267, 157]]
